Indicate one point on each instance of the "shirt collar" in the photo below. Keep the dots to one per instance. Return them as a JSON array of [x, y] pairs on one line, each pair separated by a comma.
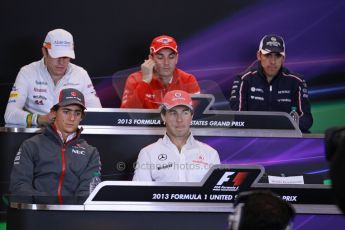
[[190, 141], [69, 137]]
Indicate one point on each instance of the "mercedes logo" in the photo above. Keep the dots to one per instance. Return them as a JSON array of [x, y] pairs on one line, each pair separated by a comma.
[[162, 157]]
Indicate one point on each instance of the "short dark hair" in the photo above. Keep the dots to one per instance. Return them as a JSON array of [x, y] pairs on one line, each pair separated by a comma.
[[57, 107], [164, 110], [263, 210]]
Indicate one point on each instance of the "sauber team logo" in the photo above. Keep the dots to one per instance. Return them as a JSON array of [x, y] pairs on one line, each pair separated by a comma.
[[79, 146], [230, 181]]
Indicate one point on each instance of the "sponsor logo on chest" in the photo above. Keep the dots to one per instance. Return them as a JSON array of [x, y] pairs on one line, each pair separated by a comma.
[[70, 84], [41, 82], [253, 89], [78, 149], [284, 91], [257, 98], [40, 90], [199, 159], [151, 96]]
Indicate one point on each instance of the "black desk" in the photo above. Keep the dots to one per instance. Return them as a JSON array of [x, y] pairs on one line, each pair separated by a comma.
[[120, 205], [244, 123]]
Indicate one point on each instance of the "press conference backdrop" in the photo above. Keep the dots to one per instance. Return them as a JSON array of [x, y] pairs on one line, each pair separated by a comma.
[[216, 40]]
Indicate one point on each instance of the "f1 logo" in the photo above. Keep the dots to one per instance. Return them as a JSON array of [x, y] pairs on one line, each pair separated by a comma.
[[225, 177]]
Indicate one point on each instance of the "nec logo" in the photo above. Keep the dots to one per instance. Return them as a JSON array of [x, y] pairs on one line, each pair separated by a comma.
[[79, 152], [225, 177]]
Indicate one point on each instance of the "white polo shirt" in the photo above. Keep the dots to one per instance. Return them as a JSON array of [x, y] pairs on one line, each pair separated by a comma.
[[161, 161]]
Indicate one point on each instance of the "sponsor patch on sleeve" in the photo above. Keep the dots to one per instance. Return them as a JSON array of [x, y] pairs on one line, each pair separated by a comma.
[[14, 94]]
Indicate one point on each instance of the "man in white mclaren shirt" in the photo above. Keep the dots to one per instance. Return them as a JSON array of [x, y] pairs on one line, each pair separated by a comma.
[[38, 84], [177, 157]]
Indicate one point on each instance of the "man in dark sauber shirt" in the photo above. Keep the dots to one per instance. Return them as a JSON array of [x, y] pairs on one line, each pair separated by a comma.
[[57, 162], [268, 86]]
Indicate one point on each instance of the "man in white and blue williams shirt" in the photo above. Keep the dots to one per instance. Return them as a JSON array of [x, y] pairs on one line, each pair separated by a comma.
[[269, 86]]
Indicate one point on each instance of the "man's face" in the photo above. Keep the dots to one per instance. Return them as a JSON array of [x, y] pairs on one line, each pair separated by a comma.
[[271, 63], [178, 121], [56, 66], [165, 62], [68, 118]]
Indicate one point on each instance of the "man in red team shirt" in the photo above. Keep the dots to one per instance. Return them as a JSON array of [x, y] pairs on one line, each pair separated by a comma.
[[158, 75]]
